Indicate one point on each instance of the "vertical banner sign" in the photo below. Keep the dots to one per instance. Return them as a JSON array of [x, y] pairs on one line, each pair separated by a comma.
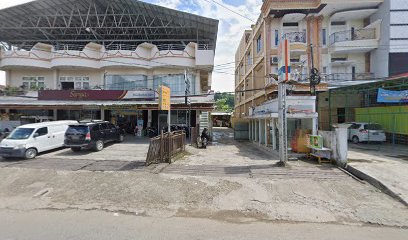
[[283, 61], [164, 98]]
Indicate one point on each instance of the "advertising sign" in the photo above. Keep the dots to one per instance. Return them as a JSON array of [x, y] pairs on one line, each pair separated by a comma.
[[85, 95], [388, 96], [283, 60], [164, 98]]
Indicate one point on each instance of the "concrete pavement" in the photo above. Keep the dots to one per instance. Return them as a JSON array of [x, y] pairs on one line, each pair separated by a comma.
[[384, 166]]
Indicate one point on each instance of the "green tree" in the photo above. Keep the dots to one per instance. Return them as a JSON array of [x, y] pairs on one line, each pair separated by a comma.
[[224, 102]]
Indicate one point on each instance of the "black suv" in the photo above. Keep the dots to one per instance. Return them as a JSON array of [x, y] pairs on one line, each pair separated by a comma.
[[92, 135]]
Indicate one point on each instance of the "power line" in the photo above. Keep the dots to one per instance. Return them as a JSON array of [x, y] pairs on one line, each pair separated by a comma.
[[223, 6]]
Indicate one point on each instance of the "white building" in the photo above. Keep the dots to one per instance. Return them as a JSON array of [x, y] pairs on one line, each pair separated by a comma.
[[105, 59]]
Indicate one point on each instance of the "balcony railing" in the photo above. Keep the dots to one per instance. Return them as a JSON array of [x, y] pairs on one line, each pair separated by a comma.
[[296, 37], [333, 77], [352, 35]]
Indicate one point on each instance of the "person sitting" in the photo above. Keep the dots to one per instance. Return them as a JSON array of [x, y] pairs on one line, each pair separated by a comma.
[[204, 135]]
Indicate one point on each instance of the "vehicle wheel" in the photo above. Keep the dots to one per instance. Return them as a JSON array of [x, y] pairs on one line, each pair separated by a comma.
[[121, 138], [76, 149], [30, 153], [99, 145], [355, 139]]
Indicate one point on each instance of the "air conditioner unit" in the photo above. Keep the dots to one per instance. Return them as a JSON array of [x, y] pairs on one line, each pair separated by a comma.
[[274, 60]]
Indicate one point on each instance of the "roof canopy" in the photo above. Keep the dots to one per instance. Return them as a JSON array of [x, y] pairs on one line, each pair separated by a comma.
[[103, 21]]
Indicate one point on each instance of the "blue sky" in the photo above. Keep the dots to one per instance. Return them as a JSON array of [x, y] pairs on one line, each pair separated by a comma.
[[230, 29]]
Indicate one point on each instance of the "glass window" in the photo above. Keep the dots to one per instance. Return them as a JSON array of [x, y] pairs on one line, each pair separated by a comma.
[[176, 83], [259, 44], [373, 127], [249, 58], [105, 126], [85, 85], [41, 85], [77, 130], [324, 36], [42, 131], [276, 37], [78, 85], [96, 128], [355, 126], [21, 133], [126, 82]]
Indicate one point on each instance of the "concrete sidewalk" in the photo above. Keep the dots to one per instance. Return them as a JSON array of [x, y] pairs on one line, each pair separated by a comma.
[[385, 167]]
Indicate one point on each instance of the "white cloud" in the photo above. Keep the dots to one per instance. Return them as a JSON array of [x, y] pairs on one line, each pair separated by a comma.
[[230, 30]]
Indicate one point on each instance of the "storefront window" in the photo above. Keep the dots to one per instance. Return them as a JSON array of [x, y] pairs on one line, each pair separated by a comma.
[[175, 82], [126, 82]]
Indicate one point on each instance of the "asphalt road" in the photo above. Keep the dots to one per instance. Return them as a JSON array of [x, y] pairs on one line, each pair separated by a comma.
[[74, 224]]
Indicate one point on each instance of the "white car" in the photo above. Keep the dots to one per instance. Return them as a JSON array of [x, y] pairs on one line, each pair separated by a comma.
[[366, 132], [30, 139]]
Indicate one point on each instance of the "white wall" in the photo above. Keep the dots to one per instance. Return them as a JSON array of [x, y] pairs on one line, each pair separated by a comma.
[[380, 56], [16, 76]]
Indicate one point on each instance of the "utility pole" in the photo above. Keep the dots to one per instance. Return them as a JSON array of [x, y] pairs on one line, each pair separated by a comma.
[[187, 101], [283, 77]]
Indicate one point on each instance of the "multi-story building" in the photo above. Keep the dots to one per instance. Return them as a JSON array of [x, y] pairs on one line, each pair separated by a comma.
[[348, 41], [105, 59]]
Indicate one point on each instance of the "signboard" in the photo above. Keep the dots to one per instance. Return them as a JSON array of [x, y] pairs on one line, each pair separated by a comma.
[[85, 95], [388, 96], [283, 60], [164, 98]]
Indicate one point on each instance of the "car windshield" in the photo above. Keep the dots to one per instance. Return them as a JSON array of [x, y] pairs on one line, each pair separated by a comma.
[[77, 130], [21, 133], [373, 127]]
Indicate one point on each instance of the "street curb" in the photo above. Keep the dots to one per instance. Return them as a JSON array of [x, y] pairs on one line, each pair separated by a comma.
[[376, 183]]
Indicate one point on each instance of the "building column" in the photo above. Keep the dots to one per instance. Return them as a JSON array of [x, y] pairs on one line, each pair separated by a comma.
[[266, 131], [102, 114], [55, 114], [273, 134], [256, 130], [249, 130], [259, 132], [149, 118]]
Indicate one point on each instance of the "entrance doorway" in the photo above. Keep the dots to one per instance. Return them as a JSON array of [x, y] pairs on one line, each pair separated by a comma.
[[67, 85]]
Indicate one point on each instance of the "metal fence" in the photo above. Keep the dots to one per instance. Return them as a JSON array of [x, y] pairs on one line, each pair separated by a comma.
[[351, 35], [296, 37], [359, 104], [162, 148]]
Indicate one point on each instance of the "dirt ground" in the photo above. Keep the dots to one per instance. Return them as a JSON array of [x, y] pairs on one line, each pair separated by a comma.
[[228, 181]]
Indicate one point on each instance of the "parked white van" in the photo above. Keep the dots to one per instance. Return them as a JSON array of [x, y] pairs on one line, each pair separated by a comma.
[[30, 139]]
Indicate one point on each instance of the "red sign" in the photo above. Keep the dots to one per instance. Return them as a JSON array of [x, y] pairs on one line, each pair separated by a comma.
[[95, 94]]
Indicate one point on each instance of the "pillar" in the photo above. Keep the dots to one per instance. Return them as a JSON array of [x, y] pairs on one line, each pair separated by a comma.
[[149, 118], [273, 133], [256, 130], [266, 132], [102, 114], [249, 130], [260, 132], [55, 114]]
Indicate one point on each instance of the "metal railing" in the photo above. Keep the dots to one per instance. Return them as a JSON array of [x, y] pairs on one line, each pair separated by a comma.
[[304, 78], [352, 35], [162, 148], [296, 37], [347, 77], [177, 47]]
